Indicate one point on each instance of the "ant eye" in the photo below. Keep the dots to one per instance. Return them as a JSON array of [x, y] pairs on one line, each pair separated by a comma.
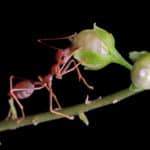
[[63, 57]]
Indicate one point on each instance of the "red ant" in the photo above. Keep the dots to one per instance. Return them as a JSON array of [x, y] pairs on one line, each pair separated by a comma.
[[22, 90], [64, 61]]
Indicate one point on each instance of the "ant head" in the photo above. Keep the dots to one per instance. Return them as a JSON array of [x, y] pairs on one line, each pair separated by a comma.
[[62, 55]]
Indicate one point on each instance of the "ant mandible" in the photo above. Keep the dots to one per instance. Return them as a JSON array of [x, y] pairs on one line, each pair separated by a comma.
[[22, 90], [62, 66]]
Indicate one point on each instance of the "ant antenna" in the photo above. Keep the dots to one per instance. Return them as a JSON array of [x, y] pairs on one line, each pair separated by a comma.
[[47, 45], [59, 38], [43, 41]]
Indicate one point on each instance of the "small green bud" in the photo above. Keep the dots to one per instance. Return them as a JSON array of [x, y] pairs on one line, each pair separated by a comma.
[[140, 74], [84, 119]]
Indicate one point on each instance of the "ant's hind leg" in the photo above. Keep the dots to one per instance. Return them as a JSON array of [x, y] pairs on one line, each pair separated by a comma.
[[12, 113], [19, 104], [14, 96]]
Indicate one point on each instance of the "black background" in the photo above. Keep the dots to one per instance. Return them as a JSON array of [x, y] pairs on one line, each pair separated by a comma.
[[22, 56]]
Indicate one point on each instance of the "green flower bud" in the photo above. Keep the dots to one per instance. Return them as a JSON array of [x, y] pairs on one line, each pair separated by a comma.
[[97, 49], [140, 74]]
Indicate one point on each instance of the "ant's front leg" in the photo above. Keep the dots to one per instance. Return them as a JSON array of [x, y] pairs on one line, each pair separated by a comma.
[[66, 70]]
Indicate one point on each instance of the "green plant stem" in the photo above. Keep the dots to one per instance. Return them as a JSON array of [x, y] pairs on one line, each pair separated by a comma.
[[73, 110]]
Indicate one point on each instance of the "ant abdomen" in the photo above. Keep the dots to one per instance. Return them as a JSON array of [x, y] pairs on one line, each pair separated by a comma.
[[25, 89]]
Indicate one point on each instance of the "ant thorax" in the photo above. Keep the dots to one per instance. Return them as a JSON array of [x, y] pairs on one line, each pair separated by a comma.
[[48, 79]]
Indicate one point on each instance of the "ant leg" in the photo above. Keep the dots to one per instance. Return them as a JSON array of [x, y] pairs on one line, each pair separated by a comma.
[[41, 86], [14, 96], [83, 79], [66, 70], [19, 104], [12, 113], [12, 77], [11, 82], [37, 85], [49, 88], [87, 101], [56, 100], [17, 100], [55, 112]]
